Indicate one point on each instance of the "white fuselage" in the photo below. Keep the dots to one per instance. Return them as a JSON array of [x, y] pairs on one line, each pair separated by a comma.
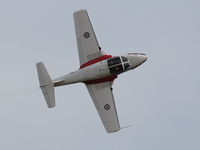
[[102, 69]]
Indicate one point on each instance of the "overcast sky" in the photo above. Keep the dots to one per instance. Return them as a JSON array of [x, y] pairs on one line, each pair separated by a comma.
[[160, 99]]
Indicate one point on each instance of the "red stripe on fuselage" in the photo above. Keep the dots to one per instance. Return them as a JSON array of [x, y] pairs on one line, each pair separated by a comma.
[[110, 78], [104, 57]]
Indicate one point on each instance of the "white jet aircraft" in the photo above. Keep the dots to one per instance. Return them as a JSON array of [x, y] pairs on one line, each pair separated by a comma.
[[97, 70]]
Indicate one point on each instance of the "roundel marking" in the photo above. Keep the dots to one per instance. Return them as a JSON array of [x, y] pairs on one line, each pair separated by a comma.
[[107, 107], [86, 34]]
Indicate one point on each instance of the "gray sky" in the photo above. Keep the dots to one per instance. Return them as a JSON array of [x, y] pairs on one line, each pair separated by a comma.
[[160, 99]]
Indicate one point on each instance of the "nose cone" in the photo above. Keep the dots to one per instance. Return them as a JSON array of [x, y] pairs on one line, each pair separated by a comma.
[[137, 59], [144, 57], [140, 59]]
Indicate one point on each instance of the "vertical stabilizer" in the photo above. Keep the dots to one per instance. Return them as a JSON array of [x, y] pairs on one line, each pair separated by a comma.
[[46, 85]]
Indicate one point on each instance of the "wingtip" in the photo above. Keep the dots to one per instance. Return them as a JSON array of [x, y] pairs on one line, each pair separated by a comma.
[[81, 10], [113, 131]]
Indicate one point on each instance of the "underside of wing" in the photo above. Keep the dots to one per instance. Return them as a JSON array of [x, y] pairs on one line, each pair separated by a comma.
[[88, 46], [103, 99]]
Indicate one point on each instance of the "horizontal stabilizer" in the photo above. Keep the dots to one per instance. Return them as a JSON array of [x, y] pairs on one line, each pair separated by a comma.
[[46, 85]]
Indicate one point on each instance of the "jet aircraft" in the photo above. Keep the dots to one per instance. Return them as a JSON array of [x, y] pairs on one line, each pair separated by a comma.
[[97, 71]]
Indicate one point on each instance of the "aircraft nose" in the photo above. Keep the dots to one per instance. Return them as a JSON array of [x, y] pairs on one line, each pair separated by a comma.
[[144, 56], [137, 59]]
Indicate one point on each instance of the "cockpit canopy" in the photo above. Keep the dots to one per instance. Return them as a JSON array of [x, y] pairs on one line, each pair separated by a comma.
[[118, 65]]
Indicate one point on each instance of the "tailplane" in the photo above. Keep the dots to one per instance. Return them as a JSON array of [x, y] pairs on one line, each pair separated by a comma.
[[46, 84]]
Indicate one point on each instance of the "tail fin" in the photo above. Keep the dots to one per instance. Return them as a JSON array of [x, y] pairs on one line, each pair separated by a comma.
[[46, 85]]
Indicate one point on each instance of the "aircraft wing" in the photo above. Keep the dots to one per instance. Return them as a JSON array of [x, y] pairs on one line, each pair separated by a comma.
[[103, 99], [88, 46]]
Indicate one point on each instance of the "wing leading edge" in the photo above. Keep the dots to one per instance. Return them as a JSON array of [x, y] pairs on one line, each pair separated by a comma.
[[88, 46], [103, 99]]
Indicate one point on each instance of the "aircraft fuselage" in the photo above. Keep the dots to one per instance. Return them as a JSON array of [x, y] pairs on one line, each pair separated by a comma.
[[102, 70]]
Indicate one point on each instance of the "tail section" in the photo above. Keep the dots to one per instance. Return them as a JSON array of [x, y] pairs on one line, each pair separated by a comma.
[[46, 84]]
